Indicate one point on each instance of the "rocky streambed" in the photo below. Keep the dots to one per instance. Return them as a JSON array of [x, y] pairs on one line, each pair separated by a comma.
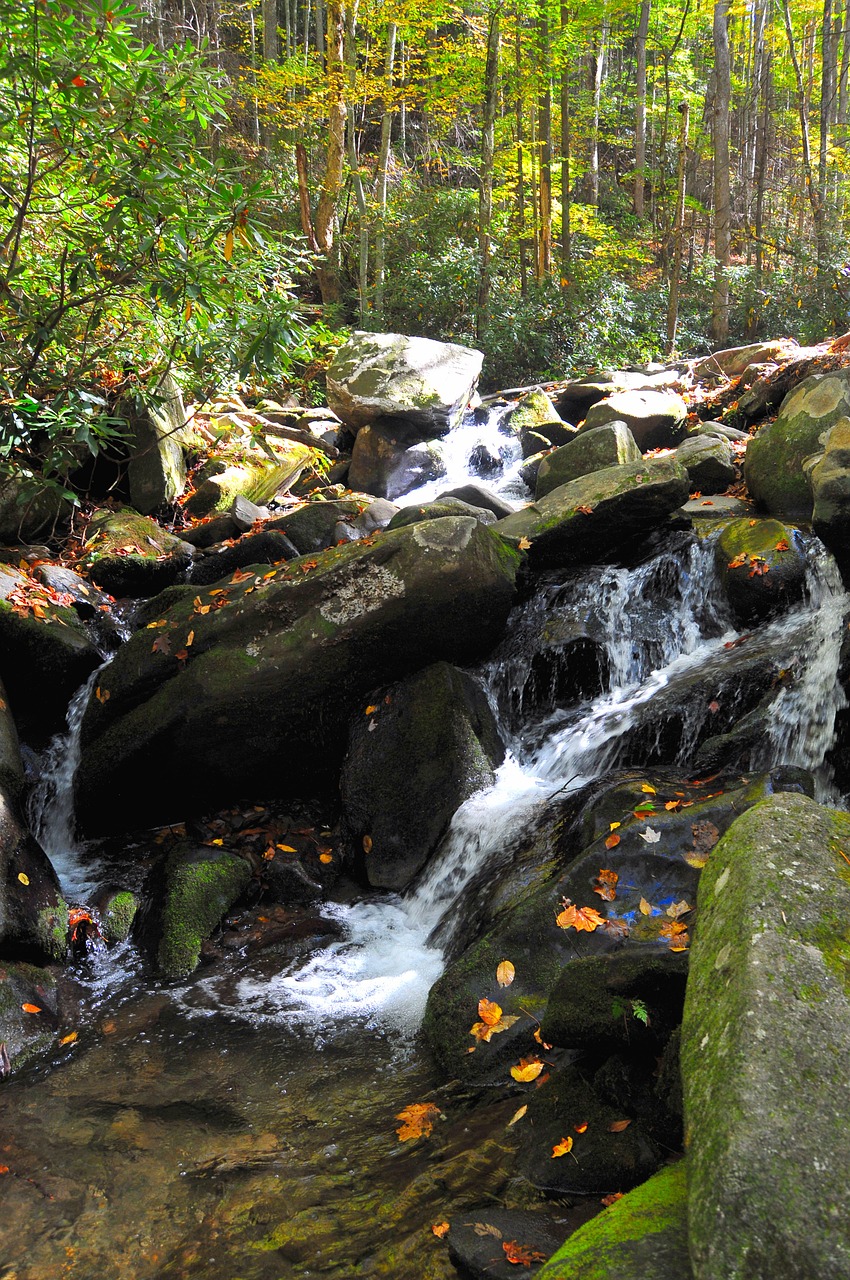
[[353, 921]]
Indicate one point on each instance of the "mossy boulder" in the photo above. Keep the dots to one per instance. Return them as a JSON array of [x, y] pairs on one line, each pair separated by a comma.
[[25, 1035], [117, 909], [201, 884], [257, 478], [830, 481], [128, 554], [33, 912], [259, 701], [267, 546], [439, 511], [612, 445], [594, 515], [31, 508], [421, 385], [643, 1236], [45, 654], [158, 435], [534, 412], [765, 1046], [312, 527], [774, 469], [762, 568], [424, 747], [655, 418]]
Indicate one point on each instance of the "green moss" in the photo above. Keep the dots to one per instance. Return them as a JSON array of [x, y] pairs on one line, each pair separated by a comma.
[[199, 891], [609, 1246], [119, 916], [52, 929]]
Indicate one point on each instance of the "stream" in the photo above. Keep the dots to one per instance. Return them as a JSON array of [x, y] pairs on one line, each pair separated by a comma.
[[241, 1125]]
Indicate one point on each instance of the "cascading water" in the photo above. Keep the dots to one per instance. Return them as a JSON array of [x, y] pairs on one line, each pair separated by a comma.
[[661, 632], [479, 451]]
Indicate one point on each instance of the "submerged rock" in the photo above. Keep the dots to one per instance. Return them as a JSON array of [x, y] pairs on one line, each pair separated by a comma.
[[247, 689], [423, 748], [765, 1043]]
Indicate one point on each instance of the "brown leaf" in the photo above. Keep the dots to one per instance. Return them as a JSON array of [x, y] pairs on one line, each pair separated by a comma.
[[606, 885], [524, 543], [162, 644], [617, 1126], [417, 1120], [581, 1128], [486, 1229], [440, 1229], [521, 1254], [612, 841], [367, 844], [612, 1199], [505, 973], [585, 510]]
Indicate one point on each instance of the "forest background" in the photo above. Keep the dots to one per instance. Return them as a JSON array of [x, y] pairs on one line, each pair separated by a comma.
[[224, 187]]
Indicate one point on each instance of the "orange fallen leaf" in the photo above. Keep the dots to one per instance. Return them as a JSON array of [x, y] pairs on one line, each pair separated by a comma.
[[505, 973], [524, 543], [612, 1199], [606, 884], [70, 1038], [181, 655], [102, 695], [782, 545], [484, 1031], [520, 1254], [190, 637], [562, 1148], [581, 1128], [612, 841], [538, 1037], [4, 1168], [526, 1070], [489, 1012], [440, 1229], [579, 918], [326, 857], [367, 844], [617, 1126], [417, 1120], [31, 1008], [109, 1027], [612, 826], [585, 509], [370, 711]]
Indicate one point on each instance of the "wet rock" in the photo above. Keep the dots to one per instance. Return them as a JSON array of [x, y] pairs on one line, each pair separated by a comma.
[[769, 968], [439, 510], [762, 568], [717, 508], [830, 481], [86, 600], [655, 418], [476, 1240], [200, 884], [33, 913], [612, 445], [260, 701], [158, 434], [423, 386], [533, 442], [288, 882], [718, 429], [269, 546], [117, 910], [245, 514], [483, 462], [384, 465], [128, 554], [221, 480], [709, 462], [24, 1035], [427, 744], [643, 1236], [590, 517], [477, 495], [530, 469], [45, 655], [774, 469]]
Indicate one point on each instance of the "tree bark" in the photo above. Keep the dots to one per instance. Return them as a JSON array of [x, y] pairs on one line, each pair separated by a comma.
[[485, 190], [566, 147], [640, 110], [722, 221], [678, 234], [382, 175], [271, 46], [544, 244], [326, 210]]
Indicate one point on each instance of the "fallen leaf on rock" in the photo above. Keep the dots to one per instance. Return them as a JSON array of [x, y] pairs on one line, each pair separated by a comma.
[[645, 907], [585, 510], [612, 826], [782, 545], [612, 1199], [489, 1012], [417, 1120], [705, 835], [517, 1115], [562, 1148], [483, 1030], [505, 973], [102, 695], [615, 928], [326, 857], [676, 934], [284, 848], [606, 884], [367, 844], [650, 790], [581, 1128], [440, 1229], [370, 710], [31, 1008], [159, 623], [538, 1037], [521, 1255], [70, 1038], [612, 841], [526, 1070], [578, 918], [524, 543], [714, 706], [24, 879], [181, 655], [672, 805], [650, 835], [162, 644], [617, 1126], [486, 1229], [677, 909]]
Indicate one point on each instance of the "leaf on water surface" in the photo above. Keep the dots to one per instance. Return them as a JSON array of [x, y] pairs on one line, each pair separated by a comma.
[[677, 909], [417, 1120], [70, 1038], [645, 907], [440, 1229], [505, 973], [517, 1115], [578, 918], [606, 884]]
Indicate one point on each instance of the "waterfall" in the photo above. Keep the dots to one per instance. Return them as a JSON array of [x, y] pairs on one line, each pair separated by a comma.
[[479, 439]]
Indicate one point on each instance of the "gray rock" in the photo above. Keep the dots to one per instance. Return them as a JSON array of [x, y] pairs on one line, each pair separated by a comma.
[[210, 531], [260, 703], [530, 469], [312, 527], [533, 442], [591, 516], [610, 446], [439, 511], [427, 745], [761, 567], [774, 469], [370, 519], [830, 482], [733, 361], [383, 465], [269, 546], [718, 508], [655, 418], [245, 514], [478, 1252], [765, 1046], [423, 386], [575, 399], [158, 435], [478, 496], [709, 462], [718, 429]]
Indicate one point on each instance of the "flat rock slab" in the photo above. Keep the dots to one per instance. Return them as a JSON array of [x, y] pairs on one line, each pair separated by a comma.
[[482, 1242], [766, 1047]]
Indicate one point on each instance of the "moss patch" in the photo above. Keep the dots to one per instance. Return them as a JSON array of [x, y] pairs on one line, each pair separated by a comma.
[[201, 884]]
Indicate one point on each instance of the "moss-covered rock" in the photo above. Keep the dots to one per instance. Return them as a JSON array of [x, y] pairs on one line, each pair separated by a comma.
[[158, 436], [201, 884], [762, 568], [424, 747], [641, 1237], [765, 1046], [534, 412], [259, 701], [830, 481], [31, 508], [256, 478], [592, 516], [128, 554], [24, 1034], [774, 469], [612, 445], [439, 510], [118, 910], [312, 527], [655, 418]]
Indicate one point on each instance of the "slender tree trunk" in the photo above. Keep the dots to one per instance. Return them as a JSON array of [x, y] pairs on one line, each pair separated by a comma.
[[802, 110], [326, 210], [722, 228], [350, 54], [485, 190], [520, 161], [382, 175], [597, 63], [271, 46], [566, 146], [544, 265], [640, 110], [678, 234]]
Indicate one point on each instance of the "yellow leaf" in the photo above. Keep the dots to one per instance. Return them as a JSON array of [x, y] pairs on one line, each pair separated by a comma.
[[526, 1070], [370, 711], [524, 543], [440, 1229], [648, 790], [483, 1030], [417, 1120], [517, 1115], [325, 857], [614, 825], [562, 1148], [489, 1012], [24, 879], [286, 848], [69, 1039], [505, 973], [697, 860], [228, 246], [367, 844], [645, 907], [218, 842], [190, 637]]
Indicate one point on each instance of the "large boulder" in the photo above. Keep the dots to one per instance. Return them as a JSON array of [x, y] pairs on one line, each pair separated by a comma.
[[830, 481], [30, 508], [158, 435], [258, 478], [592, 516], [643, 1236], [610, 446], [536, 412], [762, 568], [421, 385], [575, 398], [765, 1046], [128, 554], [709, 462], [655, 418], [419, 750], [383, 464], [247, 688], [774, 469], [733, 361], [200, 884]]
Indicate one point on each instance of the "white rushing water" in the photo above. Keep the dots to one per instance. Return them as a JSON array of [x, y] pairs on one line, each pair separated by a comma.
[[458, 451], [666, 625]]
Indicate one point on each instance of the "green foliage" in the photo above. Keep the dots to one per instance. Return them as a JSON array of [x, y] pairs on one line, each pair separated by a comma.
[[621, 1008]]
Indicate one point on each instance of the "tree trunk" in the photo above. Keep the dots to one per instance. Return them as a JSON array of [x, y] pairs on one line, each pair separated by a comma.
[[381, 181], [485, 190], [678, 234], [520, 162], [802, 110], [544, 244], [271, 47], [640, 111], [597, 62], [566, 146], [326, 210], [722, 230], [350, 53]]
